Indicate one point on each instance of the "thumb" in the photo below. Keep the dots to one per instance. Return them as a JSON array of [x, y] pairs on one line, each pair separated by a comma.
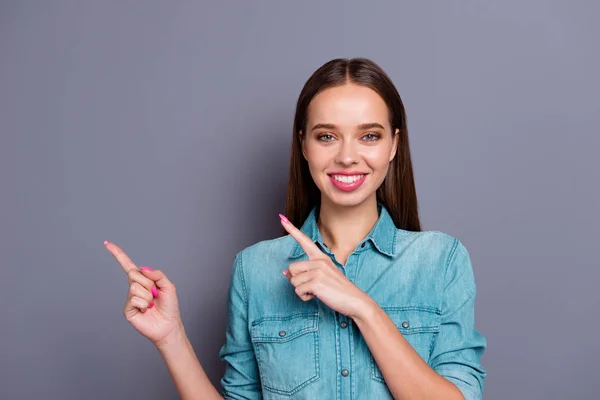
[[160, 279]]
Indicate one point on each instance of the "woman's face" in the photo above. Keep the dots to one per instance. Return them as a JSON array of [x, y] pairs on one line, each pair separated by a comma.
[[348, 143]]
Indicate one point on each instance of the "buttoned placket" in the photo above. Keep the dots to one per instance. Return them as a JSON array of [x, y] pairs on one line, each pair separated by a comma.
[[344, 332]]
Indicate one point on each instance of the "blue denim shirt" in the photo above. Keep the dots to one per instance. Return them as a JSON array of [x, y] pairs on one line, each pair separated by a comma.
[[280, 347]]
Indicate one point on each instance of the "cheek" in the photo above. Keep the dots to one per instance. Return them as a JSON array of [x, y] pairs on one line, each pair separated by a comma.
[[377, 158], [318, 157]]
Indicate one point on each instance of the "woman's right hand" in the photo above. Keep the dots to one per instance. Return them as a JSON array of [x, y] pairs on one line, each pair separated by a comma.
[[151, 306]]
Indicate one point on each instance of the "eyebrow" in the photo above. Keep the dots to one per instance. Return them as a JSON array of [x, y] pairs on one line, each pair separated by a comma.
[[369, 125]]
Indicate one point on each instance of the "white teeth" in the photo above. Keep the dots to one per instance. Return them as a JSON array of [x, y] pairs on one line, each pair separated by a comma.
[[347, 179]]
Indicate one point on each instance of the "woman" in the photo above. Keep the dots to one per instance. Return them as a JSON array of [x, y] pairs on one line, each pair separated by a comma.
[[358, 303]]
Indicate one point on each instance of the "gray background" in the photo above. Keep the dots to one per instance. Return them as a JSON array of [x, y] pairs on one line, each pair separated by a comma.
[[165, 127]]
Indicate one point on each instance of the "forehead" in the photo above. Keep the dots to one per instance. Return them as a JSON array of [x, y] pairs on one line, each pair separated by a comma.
[[347, 105]]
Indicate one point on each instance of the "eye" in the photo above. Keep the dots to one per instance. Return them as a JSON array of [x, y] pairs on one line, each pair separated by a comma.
[[325, 137], [371, 136]]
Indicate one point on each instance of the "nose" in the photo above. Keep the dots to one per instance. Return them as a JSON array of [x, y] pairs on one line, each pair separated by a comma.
[[347, 154]]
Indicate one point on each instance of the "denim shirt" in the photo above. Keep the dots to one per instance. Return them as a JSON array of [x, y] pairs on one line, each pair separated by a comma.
[[280, 347]]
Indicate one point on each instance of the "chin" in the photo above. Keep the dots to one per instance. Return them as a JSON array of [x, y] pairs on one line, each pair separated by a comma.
[[347, 199]]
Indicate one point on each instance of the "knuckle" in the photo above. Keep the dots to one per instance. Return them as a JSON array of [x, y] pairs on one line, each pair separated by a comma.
[[130, 304], [146, 283], [139, 302], [132, 274]]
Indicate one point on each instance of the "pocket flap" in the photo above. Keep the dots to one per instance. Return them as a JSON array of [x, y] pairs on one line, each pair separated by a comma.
[[282, 329], [414, 319]]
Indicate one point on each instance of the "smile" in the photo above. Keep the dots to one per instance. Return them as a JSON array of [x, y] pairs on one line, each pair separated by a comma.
[[347, 183]]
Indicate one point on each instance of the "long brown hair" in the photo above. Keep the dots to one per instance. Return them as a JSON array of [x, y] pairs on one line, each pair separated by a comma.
[[397, 192]]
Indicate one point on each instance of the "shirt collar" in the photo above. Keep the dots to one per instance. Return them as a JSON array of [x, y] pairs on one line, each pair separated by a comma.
[[383, 234]]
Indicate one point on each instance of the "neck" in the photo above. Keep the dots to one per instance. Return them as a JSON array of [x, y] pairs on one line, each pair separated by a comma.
[[344, 227]]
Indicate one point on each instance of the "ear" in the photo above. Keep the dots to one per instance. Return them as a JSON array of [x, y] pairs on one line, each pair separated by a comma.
[[395, 140], [302, 143]]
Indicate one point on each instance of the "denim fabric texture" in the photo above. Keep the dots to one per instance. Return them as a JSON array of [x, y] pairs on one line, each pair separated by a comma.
[[280, 347]]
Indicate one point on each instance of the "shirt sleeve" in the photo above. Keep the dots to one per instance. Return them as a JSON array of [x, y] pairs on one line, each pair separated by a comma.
[[458, 347], [241, 379]]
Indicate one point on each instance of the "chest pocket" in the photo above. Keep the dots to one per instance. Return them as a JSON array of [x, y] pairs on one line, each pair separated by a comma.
[[418, 325], [286, 350]]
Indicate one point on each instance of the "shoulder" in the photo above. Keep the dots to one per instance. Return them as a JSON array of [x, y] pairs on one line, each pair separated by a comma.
[[258, 267], [446, 251], [271, 252], [436, 242], [439, 254], [278, 247], [451, 254]]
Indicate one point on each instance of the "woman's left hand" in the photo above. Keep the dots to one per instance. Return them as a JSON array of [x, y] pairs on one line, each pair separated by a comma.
[[320, 277]]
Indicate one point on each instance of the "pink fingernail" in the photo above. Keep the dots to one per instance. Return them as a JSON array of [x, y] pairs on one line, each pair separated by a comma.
[[105, 242], [284, 219], [154, 292], [146, 268], [151, 304]]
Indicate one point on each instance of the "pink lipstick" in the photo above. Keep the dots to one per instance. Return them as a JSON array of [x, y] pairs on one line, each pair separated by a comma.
[[347, 181]]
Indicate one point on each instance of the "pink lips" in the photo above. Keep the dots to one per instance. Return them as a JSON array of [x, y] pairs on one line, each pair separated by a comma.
[[347, 187]]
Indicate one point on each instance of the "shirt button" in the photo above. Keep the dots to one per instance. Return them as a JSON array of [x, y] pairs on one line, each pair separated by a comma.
[[405, 324], [282, 333], [345, 372], [343, 324]]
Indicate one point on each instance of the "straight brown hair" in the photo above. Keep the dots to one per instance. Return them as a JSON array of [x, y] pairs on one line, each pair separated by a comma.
[[397, 192]]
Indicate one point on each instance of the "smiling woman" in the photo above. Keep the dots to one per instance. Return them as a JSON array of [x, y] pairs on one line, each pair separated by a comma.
[[357, 302], [353, 107]]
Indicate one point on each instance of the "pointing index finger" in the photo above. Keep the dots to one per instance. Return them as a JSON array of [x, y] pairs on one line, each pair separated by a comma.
[[121, 257], [304, 241]]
